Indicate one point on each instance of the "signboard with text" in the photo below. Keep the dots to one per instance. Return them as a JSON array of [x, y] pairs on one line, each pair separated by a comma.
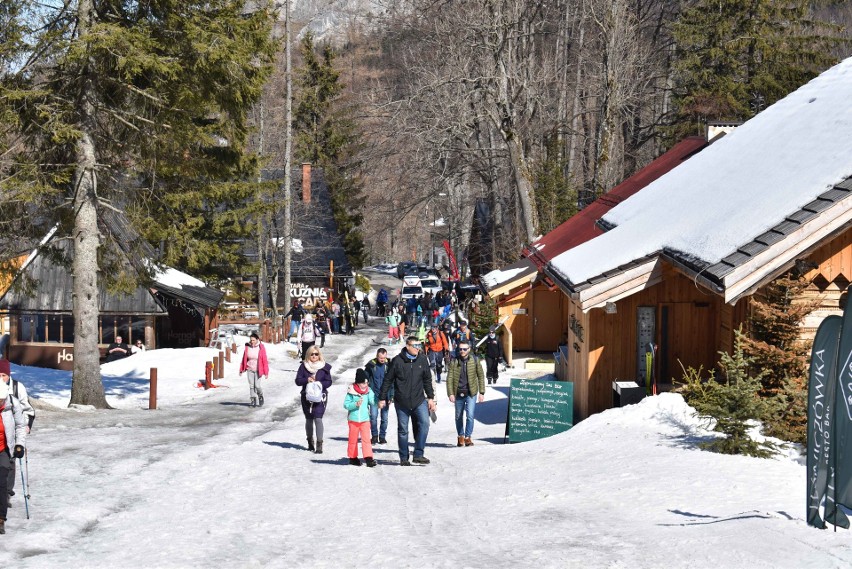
[[539, 409]]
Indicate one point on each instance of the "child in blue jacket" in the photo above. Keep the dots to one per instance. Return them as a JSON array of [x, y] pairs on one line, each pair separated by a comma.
[[357, 402]]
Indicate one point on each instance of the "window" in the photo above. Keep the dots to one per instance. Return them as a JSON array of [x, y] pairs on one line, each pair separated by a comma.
[[54, 329]]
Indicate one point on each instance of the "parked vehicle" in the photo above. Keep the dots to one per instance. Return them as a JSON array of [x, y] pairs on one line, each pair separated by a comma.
[[406, 268], [431, 284], [407, 292]]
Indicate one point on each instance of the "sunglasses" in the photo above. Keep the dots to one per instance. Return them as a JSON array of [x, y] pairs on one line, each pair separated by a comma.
[[314, 355], [464, 349], [418, 345]]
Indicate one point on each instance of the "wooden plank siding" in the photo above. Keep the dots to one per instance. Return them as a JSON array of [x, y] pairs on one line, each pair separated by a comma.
[[694, 332]]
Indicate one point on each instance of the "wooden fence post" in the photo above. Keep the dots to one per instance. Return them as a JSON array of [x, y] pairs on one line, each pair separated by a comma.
[[221, 365], [152, 395]]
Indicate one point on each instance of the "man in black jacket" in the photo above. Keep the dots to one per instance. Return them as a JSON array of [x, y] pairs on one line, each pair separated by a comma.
[[493, 355], [411, 380]]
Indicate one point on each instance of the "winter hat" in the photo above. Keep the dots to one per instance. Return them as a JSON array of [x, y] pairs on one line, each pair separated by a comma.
[[4, 391], [360, 376], [4, 367], [308, 317]]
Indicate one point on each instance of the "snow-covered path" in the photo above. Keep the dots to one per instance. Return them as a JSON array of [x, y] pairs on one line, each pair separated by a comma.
[[207, 481]]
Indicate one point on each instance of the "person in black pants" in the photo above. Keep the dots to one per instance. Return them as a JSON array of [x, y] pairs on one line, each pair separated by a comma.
[[493, 355]]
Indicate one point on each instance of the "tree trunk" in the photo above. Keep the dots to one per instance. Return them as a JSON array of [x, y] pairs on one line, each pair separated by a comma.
[[288, 152], [261, 231], [86, 385]]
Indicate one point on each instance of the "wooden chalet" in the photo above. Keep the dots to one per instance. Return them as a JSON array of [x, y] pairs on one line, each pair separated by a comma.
[[319, 266], [677, 263], [173, 310], [536, 309]]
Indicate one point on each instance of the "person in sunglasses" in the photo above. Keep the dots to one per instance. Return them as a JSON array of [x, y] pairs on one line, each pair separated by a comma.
[[465, 387], [413, 396]]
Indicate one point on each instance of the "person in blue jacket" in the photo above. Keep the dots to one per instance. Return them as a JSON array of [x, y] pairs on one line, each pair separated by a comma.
[[376, 370], [358, 401]]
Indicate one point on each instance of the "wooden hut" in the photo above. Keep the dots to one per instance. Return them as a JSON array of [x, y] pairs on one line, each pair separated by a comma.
[[173, 309], [678, 262]]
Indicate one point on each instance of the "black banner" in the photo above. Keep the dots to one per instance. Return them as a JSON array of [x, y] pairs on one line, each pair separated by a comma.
[[821, 399]]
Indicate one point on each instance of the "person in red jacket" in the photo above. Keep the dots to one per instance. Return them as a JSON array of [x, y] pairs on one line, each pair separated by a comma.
[[256, 367], [437, 347]]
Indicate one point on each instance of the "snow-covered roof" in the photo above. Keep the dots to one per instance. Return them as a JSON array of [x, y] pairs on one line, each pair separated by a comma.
[[734, 190], [522, 269], [175, 279]]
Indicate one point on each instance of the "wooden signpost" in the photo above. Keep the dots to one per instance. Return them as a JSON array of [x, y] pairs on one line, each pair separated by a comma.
[[539, 409]]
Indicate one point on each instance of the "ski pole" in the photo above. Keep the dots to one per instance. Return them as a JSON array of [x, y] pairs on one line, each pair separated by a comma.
[[24, 486]]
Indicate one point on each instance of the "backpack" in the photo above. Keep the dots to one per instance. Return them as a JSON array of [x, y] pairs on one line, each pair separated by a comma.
[[308, 333], [313, 392]]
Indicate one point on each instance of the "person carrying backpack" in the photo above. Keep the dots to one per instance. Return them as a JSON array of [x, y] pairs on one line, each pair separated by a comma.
[[307, 334], [19, 391], [437, 345], [314, 377], [13, 437]]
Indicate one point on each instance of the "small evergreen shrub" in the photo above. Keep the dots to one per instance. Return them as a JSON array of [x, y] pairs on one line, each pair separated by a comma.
[[730, 404]]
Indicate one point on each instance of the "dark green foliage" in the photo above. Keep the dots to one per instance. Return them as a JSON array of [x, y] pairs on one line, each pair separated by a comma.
[[484, 317], [774, 345], [172, 83], [731, 404], [735, 58], [326, 136], [555, 195]]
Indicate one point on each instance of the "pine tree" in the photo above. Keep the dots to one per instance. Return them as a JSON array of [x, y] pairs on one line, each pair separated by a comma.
[[735, 58], [326, 136], [774, 345], [731, 403], [555, 196], [139, 106]]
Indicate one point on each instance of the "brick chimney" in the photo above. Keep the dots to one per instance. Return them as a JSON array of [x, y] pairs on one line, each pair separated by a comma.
[[306, 182]]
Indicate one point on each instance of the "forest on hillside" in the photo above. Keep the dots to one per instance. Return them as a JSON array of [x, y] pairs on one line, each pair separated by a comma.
[[489, 122]]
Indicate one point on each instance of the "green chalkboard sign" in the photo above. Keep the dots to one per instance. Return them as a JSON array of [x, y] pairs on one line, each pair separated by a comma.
[[539, 409]]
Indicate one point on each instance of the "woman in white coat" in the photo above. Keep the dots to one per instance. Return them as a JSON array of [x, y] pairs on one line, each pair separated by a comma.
[[13, 437]]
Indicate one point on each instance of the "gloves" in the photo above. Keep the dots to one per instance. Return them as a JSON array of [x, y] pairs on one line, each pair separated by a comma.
[[19, 451]]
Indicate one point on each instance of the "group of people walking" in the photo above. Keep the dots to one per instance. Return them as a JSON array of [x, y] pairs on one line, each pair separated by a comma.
[[405, 381]]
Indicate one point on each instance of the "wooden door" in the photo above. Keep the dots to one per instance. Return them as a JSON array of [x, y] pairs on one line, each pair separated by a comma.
[[547, 320], [686, 336]]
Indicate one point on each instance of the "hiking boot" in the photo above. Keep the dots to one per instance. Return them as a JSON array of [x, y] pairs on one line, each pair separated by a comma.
[[374, 439], [404, 463], [311, 445], [420, 460], [370, 462], [355, 461], [319, 447], [383, 441], [260, 400], [461, 442], [253, 402], [2, 526], [468, 442]]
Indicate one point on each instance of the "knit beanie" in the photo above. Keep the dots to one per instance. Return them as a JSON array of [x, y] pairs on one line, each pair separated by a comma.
[[360, 376], [5, 368]]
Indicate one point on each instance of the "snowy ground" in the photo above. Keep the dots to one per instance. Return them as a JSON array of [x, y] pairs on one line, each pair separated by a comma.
[[206, 481]]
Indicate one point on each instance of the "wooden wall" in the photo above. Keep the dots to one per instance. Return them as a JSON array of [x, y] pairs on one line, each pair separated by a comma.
[[540, 304], [691, 326]]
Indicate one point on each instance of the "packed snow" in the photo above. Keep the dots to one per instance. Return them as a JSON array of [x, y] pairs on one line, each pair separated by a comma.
[[737, 188], [207, 481]]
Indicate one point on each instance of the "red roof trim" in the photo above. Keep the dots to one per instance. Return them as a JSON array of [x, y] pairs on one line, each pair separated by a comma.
[[582, 228]]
